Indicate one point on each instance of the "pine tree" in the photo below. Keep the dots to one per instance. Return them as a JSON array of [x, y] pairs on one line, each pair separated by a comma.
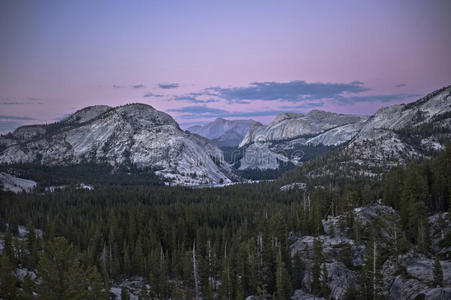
[[144, 293], [31, 247], [96, 290], [325, 289], [28, 288], [316, 268], [60, 273], [438, 273], [370, 276], [8, 246], [124, 293], [8, 280], [298, 271], [283, 283]]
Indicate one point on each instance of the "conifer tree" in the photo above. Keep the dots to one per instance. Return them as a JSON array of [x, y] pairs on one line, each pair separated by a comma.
[[283, 282], [124, 293], [325, 290], [8, 280], [59, 272], [438, 273], [28, 288], [316, 268], [297, 271]]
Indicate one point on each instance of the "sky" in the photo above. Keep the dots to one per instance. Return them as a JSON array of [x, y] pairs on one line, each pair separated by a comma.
[[199, 60]]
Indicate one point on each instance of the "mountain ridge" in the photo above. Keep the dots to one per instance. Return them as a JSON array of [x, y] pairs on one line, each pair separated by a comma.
[[134, 134]]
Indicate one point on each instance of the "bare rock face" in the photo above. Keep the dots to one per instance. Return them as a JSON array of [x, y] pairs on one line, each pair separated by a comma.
[[291, 125], [130, 134], [420, 267], [407, 276], [393, 134], [340, 279], [279, 142], [412, 288]]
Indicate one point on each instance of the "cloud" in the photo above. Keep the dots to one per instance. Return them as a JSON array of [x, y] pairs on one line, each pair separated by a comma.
[[193, 112], [375, 98], [168, 86], [138, 86], [400, 85], [306, 105], [150, 94], [115, 86], [293, 91], [6, 117], [199, 110], [193, 98], [28, 100]]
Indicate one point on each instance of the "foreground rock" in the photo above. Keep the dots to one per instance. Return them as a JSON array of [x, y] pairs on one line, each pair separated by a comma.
[[407, 276]]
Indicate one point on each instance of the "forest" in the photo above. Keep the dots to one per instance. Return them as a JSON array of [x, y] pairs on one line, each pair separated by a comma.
[[214, 243]]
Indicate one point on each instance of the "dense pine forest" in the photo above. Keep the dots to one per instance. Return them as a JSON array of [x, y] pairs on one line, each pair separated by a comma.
[[221, 243]]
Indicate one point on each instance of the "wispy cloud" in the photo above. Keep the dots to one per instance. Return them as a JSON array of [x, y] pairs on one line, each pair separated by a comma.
[[26, 101], [400, 85], [193, 98], [306, 105], [375, 98], [20, 118], [168, 86], [293, 91], [134, 86], [150, 94]]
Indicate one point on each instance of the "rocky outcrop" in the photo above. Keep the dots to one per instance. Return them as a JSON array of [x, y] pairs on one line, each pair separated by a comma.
[[293, 186], [407, 276], [340, 279], [132, 134]]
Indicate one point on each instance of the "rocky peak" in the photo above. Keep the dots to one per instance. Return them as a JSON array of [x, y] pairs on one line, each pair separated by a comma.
[[86, 114], [286, 115], [134, 134]]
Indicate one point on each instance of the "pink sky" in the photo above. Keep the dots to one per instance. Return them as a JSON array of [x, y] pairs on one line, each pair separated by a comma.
[[60, 56]]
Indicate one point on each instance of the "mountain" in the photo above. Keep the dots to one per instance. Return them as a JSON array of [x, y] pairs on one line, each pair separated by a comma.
[[294, 137], [393, 135], [399, 133], [292, 125], [230, 138], [131, 135], [225, 133]]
